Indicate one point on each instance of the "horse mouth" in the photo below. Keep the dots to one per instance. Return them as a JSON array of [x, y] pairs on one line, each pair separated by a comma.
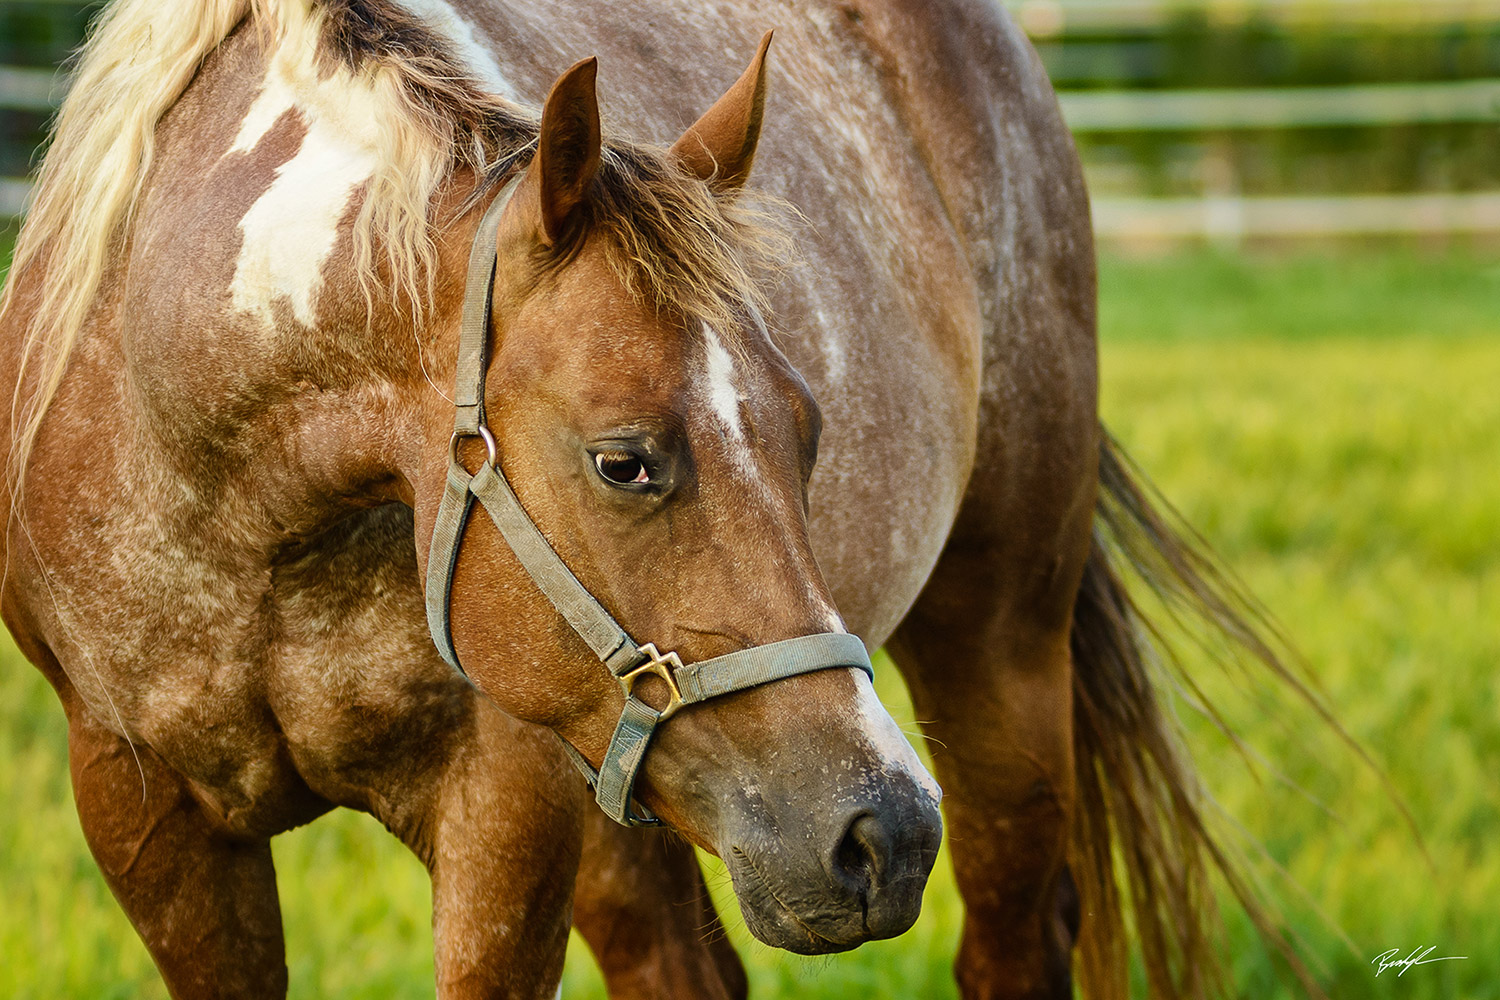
[[774, 922]]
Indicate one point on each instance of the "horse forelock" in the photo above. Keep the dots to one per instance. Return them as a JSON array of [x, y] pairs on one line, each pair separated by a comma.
[[677, 245]]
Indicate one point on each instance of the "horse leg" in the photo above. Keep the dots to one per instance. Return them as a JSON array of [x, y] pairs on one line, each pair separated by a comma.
[[990, 676], [641, 905], [498, 824], [503, 855], [203, 901], [501, 822]]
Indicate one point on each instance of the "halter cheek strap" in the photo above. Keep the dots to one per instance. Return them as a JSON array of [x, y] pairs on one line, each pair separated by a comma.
[[626, 660]]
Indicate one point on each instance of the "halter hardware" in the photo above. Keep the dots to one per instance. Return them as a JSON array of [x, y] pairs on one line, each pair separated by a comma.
[[483, 433], [663, 666], [627, 661]]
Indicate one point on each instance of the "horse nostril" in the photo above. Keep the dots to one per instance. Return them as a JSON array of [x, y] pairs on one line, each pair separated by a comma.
[[861, 856]]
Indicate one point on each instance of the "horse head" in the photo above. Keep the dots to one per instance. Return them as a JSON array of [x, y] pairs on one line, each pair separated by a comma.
[[663, 450]]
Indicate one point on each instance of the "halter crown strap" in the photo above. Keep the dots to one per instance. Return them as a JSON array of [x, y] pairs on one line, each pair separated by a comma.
[[627, 661], [474, 326]]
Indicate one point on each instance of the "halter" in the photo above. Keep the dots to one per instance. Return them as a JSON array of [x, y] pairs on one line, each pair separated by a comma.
[[626, 660]]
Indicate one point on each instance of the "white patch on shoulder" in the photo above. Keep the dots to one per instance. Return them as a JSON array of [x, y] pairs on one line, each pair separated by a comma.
[[292, 227], [459, 33], [275, 99]]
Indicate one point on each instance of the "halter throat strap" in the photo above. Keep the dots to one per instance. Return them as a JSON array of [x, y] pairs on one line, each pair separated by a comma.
[[627, 661]]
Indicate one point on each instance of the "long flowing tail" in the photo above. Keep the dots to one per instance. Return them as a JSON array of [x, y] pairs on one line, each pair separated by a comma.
[[1140, 806]]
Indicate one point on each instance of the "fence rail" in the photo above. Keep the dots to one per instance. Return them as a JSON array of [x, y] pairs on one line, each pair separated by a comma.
[[14, 191], [1232, 219], [1052, 18], [1280, 108], [26, 88]]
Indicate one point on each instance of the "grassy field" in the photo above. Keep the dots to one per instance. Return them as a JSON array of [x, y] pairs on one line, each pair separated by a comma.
[[1329, 422]]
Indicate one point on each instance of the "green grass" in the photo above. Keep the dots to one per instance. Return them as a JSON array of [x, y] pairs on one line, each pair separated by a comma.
[[1329, 422], [1394, 293]]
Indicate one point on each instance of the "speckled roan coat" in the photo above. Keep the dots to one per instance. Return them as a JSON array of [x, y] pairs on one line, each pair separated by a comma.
[[218, 563]]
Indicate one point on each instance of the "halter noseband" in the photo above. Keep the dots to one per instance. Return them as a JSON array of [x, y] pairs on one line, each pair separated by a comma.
[[626, 660]]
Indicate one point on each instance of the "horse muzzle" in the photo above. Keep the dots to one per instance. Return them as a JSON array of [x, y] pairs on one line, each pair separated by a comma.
[[854, 872]]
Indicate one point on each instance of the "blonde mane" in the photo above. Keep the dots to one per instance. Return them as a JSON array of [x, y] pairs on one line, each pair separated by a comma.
[[675, 244]]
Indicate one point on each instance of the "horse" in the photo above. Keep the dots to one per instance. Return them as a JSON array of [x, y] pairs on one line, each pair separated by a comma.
[[277, 244]]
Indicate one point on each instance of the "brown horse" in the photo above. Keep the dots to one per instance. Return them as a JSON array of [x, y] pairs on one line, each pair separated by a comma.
[[234, 325]]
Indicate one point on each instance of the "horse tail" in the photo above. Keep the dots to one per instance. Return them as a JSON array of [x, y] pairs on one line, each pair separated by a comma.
[[1139, 803]]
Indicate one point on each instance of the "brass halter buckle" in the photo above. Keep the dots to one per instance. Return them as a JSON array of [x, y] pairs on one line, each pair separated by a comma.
[[660, 665]]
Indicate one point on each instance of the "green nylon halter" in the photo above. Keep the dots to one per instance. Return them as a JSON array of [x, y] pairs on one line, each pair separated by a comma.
[[626, 660]]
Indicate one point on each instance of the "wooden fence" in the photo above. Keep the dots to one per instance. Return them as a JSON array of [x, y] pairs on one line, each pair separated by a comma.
[[1144, 122]]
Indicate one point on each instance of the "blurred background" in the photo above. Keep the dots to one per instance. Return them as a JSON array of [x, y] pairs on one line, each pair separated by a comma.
[[1298, 209]]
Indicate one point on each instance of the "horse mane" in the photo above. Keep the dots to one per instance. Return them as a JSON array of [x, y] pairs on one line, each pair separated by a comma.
[[673, 243]]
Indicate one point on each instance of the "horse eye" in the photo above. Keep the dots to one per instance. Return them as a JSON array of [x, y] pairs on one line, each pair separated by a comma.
[[621, 468]]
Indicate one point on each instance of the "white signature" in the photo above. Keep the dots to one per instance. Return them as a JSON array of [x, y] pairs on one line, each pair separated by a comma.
[[1388, 960]]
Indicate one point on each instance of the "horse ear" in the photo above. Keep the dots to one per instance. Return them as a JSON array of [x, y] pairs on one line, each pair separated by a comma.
[[720, 146], [567, 154]]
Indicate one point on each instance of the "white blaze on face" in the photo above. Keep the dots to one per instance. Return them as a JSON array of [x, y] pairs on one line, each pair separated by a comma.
[[889, 745], [464, 44], [291, 229], [724, 399]]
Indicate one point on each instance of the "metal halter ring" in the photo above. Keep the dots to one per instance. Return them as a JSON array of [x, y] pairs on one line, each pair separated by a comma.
[[484, 433], [659, 665]]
